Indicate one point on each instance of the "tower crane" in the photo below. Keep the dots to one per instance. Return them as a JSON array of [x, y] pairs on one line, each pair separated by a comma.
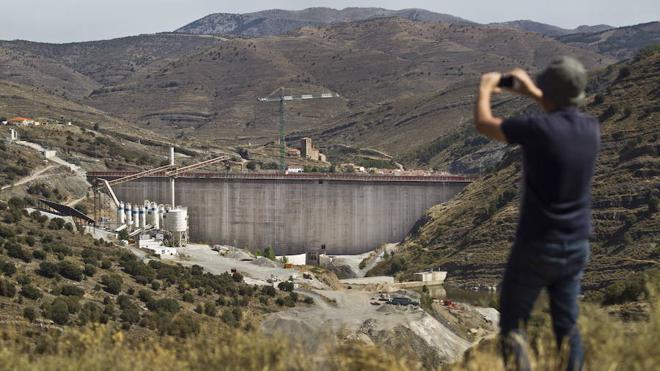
[[278, 97]]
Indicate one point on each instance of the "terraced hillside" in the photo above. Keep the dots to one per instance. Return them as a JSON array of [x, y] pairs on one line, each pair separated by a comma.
[[470, 236], [214, 93]]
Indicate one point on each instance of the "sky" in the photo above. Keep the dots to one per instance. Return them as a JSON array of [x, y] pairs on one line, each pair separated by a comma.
[[60, 21]]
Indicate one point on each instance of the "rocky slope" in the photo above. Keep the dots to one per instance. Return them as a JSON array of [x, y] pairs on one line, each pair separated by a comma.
[[278, 22], [619, 43], [470, 236], [549, 30]]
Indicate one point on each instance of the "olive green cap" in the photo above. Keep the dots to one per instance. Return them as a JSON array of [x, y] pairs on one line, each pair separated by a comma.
[[564, 81]]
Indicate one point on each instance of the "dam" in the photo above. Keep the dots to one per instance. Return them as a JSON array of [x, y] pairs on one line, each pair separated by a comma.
[[348, 214]]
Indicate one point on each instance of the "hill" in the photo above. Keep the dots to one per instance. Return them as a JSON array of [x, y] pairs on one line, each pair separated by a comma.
[[213, 94], [471, 235], [619, 43], [548, 30], [277, 22], [108, 62]]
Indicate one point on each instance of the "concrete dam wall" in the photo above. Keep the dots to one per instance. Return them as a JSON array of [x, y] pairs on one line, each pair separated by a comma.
[[349, 215]]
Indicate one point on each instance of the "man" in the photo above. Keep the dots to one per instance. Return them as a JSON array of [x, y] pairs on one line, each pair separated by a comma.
[[559, 150]]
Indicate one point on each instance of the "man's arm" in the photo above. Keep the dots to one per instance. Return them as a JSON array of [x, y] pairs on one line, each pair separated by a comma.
[[485, 122]]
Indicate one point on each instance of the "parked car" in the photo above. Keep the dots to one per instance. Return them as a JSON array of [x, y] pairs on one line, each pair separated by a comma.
[[402, 300]]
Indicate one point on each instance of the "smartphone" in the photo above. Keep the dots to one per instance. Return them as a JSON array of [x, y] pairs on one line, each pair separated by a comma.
[[506, 81]]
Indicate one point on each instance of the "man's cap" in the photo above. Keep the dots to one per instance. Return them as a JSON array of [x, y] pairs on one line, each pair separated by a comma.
[[564, 81]]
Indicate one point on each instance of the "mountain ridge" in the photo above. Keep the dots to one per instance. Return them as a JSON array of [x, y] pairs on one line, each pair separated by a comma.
[[278, 21]]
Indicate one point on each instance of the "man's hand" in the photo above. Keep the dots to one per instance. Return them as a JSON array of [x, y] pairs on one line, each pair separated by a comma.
[[484, 121], [489, 83], [525, 84]]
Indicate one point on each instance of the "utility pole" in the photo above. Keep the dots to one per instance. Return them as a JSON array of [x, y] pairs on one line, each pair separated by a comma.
[[279, 97]]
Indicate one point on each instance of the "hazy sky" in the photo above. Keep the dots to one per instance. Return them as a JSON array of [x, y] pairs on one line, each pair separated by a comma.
[[80, 20]]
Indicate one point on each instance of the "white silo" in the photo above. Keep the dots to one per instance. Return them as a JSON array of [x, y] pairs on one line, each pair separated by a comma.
[[153, 209], [161, 214], [176, 223], [129, 215], [143, 216], [150, 214], [121, 217], [136, 217]]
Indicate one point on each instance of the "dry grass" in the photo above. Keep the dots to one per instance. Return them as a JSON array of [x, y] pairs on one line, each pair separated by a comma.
[[609, 345]]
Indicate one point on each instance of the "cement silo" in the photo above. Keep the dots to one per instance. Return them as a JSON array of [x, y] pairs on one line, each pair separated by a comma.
[[129, 215], [121, 216]]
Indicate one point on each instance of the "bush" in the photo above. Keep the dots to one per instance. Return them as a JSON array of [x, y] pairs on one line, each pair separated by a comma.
[[89, 270], [38, 254], [286, 286], [164, 305], [16, 251], [30, 313], [130, 315], [59, 311], [155, 285], [30, 292], [70, 270], [6, 232], [48, 269], [210, 309], [70, 290], [268, 290], [653, 204], [7, 288], [7, 268], [56, 223], [112, 283], [145, 296], [629, 290], [188, 297]]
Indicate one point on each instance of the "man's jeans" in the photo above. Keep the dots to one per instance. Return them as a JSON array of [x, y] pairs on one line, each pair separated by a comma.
[[532, 266]]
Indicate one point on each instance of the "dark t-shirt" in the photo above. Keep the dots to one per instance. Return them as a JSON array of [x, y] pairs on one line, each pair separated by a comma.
[[559, 154]]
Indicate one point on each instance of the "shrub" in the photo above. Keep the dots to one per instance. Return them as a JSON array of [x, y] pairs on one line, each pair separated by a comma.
[[145, 296], [112, 283], [210, 309], [70, 290], [59, 311], [629, 290], [268, 290], [70, 270], [188, 297], [653, 204], [48, 269], [56, 223], [286, 286], [38, 254], [7, 288], [89, 270], [16, 251], [130, 314], [30, 292], [6, 232], [7, 268], [155, 285], [164, 305], [30, 313]]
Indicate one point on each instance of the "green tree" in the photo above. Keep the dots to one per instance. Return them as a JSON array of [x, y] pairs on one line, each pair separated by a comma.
[[112, 283], [59, 311]]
